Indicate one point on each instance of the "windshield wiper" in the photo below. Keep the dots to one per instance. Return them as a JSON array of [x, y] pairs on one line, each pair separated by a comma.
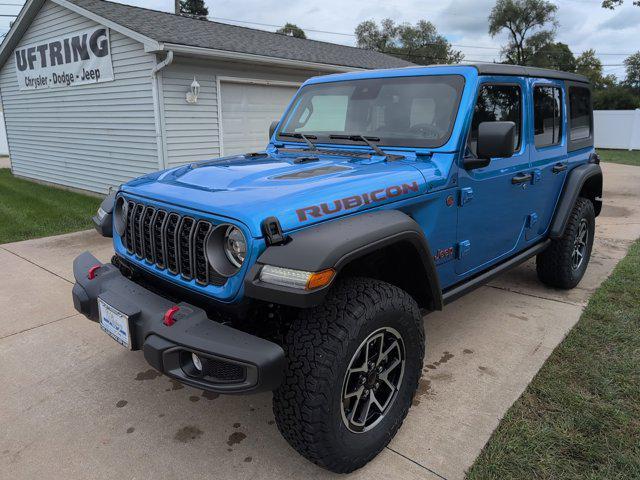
[[312, 146], [361, 138]]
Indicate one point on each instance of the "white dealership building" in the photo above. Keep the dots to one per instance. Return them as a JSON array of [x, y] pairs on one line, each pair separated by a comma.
[[95, 93]]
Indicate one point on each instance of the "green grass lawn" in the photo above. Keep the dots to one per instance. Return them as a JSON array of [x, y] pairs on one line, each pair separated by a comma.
[[625, 157], [580, 417], [31, 210]]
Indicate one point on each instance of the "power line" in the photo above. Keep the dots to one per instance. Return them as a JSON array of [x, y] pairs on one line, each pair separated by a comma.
[[481, 47], [279, 26]]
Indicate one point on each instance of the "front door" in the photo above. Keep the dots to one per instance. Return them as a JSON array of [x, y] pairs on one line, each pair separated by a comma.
[[494, 200]]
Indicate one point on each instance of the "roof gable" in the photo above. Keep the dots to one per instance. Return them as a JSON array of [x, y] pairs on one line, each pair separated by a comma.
[[154, 29]]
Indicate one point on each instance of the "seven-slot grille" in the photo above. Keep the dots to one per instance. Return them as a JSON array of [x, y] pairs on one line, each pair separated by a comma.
[[170, 241]]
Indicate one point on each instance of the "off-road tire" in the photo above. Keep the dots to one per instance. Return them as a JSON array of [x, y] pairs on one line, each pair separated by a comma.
[[319, 347], [554, 265]]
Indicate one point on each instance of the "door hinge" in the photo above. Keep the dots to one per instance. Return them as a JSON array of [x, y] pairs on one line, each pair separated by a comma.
[[532, 219], [464, 247], [466, 195]]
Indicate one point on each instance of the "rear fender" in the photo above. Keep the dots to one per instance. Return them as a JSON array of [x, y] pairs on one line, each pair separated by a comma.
[[583, 181]]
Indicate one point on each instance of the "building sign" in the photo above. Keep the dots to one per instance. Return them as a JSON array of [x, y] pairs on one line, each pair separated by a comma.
[[78, 59]]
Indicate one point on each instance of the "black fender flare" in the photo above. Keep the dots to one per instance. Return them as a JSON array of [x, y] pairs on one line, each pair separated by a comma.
[[587, 174], [104, 224], [335, 244]]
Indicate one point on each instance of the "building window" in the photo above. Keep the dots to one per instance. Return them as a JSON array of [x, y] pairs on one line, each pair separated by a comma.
[[580, 113], [547, 116], [497, 103]]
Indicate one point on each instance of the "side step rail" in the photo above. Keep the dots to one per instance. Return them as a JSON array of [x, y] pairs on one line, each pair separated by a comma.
[[455, 292]]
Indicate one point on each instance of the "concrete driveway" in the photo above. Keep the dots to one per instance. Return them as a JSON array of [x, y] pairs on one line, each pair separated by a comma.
[[73, 404]]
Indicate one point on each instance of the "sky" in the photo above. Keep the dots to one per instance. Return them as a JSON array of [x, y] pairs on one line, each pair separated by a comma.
[[583, 24]]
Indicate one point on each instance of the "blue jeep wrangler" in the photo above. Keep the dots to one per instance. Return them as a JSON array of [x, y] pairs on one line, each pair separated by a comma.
[[306, 269]]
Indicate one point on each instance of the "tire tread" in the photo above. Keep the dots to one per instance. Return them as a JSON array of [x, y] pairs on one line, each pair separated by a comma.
[[315, 342]]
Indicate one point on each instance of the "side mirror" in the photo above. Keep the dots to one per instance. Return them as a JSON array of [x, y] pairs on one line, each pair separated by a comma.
[[495, 139], [272, 127]]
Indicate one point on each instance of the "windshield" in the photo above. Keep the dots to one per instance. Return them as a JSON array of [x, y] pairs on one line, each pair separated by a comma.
[[401, 111]]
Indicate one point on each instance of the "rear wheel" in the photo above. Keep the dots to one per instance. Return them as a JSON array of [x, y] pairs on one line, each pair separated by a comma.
[[353, 366], [563, 263]]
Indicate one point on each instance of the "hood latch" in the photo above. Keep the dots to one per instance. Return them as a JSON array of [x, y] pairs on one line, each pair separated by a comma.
[[272, 231]]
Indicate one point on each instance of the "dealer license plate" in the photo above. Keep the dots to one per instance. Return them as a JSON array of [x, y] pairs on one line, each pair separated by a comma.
[[114, 323]]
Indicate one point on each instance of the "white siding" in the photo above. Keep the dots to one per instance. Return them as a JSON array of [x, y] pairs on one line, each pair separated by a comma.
[[4, 147], [192, 130], [89, 136]]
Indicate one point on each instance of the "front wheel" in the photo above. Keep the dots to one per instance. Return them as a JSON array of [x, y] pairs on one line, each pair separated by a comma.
[[353, 365], [563, 263]]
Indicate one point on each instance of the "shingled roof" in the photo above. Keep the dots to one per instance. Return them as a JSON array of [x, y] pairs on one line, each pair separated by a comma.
[[174, 29]]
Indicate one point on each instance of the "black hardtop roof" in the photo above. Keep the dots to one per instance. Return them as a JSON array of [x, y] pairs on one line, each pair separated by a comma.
[[520, 71], [515, 71]]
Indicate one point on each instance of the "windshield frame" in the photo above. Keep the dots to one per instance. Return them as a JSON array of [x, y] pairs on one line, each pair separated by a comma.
[[323, 138]]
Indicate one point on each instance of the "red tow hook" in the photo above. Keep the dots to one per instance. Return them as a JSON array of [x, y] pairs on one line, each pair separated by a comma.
[[91, 274], [168, 319]]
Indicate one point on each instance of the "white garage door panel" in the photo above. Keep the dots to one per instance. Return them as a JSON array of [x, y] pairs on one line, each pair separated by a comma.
[[247, 112]]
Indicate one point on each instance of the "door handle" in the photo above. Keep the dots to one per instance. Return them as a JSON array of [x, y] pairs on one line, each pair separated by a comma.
[[559, 167], [522, 178]]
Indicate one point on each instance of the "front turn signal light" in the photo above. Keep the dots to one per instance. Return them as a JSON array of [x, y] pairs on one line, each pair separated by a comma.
[[299, 279], [320, 279]]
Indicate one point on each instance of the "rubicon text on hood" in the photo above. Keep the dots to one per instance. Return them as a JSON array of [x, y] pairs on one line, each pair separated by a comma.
[[355, 201]]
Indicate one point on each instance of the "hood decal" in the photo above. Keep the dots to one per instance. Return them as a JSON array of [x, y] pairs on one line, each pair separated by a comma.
[[355, 201], [312, 172]]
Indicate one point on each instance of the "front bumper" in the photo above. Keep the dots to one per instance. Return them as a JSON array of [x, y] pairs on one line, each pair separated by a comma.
[[240, 362]]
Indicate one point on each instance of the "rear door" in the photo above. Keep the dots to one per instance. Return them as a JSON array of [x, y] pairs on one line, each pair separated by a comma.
[[494, 201], [247, 110], [549, 151]]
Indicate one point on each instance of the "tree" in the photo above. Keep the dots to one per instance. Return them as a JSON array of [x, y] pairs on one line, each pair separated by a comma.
[[524, 20], [420, 43], [616, 97], [553, 55], [194, 8], [372, 37], [292, 30], [590, 66], [611, 4], [632, 64]]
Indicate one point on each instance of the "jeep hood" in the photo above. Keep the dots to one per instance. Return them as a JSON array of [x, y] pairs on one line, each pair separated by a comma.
[[296, 190]]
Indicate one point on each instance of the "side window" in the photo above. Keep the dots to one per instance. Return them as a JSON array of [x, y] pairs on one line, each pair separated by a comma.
[[497, 103], [579, 113], [547, 116]]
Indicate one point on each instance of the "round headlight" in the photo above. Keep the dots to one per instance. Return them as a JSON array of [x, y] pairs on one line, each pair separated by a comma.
[[120, 216], [235, 246], [226, 249]]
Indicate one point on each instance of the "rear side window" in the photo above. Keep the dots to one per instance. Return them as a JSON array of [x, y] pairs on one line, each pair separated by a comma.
[[497, 103], [547, 116], [580, 124]]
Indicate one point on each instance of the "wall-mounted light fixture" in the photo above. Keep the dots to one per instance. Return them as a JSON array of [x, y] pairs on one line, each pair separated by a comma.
[[192, 94]]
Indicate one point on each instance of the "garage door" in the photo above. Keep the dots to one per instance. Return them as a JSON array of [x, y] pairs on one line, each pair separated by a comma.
[[247, 112]]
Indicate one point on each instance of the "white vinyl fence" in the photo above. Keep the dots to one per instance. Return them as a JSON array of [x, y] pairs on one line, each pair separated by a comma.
[[617, 129]]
